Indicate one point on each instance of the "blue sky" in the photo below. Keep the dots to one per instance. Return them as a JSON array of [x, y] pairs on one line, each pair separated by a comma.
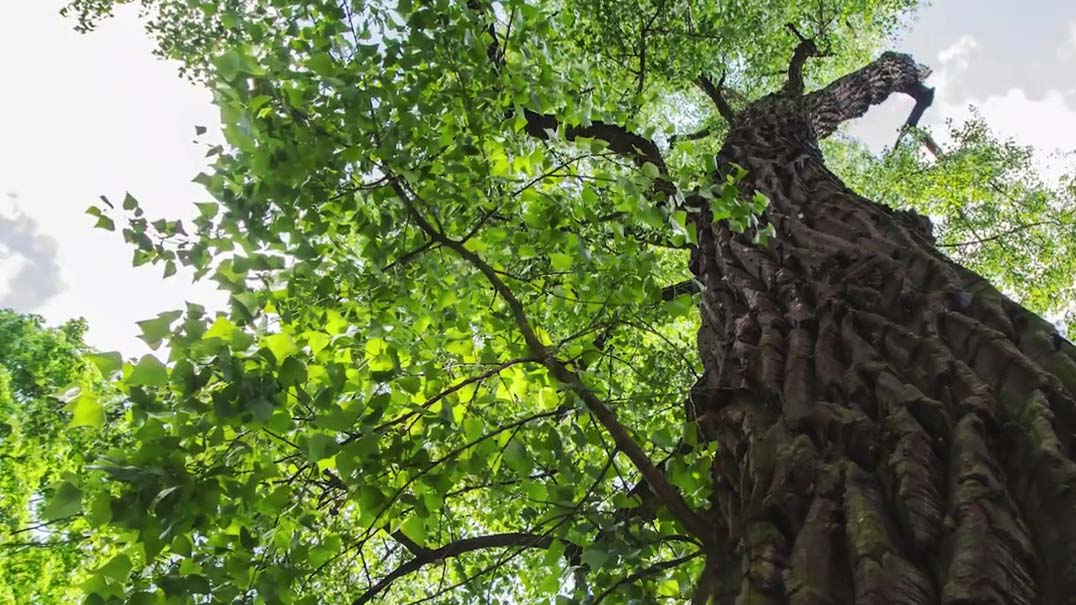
[[97, 114]]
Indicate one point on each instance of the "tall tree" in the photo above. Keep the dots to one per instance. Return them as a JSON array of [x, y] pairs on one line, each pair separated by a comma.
[[468, 245]]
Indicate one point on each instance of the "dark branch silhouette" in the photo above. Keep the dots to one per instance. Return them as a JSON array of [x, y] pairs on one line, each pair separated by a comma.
[[804, 50], [716, 94], [424, 556], [850, 96]]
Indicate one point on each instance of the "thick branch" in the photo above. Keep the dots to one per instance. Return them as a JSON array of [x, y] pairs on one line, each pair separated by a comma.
[[634, 146], [691, 136], [688, 287], [717, 96], [621, 140], [416, 549], [924, 137], [923, 96], [804, 50], [669, 494], [427, 556], [851, 96]]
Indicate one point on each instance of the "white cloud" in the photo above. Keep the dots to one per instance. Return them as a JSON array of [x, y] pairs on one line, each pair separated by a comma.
[[957, 52], [88, 115], [1046, 123], [879, 129], [30, 267], [953, 60], [1067, 50]]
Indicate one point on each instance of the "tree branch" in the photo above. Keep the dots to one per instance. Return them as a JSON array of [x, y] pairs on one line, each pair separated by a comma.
[[409, 256], [804, 50], [851, 96], [923, 96], [622, 141], [669, 494], [717, 96], [416, 549], [691, 136], [426, 557], [646, 573], [685, 288]]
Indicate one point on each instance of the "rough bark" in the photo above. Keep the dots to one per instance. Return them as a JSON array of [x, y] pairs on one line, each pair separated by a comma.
[[890, 428]]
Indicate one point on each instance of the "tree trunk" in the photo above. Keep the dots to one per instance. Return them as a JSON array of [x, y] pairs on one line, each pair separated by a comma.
[[890, 428]]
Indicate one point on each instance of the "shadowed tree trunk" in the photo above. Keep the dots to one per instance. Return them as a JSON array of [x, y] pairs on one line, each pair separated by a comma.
[[890, 428]]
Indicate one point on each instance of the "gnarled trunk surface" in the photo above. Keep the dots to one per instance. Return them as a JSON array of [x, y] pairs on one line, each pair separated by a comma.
[[891, 428]]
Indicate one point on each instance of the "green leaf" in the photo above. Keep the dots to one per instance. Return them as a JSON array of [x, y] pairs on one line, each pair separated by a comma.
[[237, 61], [117, 568], [594, 557], [228, 65], [327, 548], [320, 446], [155, 330], [515, 455], [669, 588], [148, 372], [759, 202], [106, 363], [100, 510], [292, 372], [321, 64], [720, 209], [222, 328], [472, 428], [103, 222], [280, 345], [415, 528], [86, 410], [317, 341], [208, 210], [560, 262], [590, 197], [553, 554], [66, 501]]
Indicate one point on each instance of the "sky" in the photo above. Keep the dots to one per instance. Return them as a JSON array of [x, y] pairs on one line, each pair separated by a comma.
[[97, 114], [1014, 61], [84, 116]]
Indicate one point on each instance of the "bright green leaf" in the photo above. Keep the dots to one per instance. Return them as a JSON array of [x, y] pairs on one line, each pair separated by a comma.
[[148, 372], [66, 501], [86, 410]]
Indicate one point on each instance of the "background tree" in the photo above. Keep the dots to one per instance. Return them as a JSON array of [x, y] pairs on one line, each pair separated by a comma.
[[464, 242], [994, 212], [44, 445]]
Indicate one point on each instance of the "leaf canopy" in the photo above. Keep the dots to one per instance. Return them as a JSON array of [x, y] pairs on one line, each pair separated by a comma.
[[53, 404]]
